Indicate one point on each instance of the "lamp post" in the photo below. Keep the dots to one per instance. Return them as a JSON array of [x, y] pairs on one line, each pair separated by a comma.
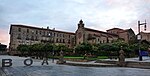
[[53, 56], [139, 37]]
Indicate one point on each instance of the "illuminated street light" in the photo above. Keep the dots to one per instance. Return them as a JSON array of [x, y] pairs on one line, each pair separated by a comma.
[[139, 37]]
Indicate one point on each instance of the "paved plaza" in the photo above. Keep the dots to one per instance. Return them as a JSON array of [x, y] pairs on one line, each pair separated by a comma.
[[53, 69], [145, 59]]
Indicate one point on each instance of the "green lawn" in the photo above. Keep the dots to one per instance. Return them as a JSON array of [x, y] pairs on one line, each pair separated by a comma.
[[81, 57], [99, 57], [72, 57], [87, 58]]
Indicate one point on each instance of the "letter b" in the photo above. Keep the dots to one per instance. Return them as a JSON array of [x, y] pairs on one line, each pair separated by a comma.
[[6, 62]]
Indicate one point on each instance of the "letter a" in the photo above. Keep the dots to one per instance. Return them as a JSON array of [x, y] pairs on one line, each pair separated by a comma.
[[45, 61]]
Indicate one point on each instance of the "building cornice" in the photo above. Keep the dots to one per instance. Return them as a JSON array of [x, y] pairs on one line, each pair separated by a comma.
[[26, 26]]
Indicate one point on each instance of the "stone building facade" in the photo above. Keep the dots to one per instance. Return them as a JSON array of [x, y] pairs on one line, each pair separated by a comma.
[[92, 36], [127, 35], [23, 34], [145, 36], [3, 49]]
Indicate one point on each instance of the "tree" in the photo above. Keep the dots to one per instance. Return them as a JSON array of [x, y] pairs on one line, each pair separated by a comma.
[[109, 49], [95, 49], [47, 48], [37, 49], [23, 49], [84, 48], [105, 49], [59, 48]]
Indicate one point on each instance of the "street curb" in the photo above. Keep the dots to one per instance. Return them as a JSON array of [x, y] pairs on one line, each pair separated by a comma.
[[90, 65], [130, 64]]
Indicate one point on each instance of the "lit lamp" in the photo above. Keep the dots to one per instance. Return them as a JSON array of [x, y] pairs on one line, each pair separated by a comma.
[[49, 35], [139, 38]]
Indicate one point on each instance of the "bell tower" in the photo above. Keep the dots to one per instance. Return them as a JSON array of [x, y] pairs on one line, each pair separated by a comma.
[[80, 32], [80, 24]]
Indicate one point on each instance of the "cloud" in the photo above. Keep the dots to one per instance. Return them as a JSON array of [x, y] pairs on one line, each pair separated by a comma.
[[118, 13], [59, 14], [4, 36]]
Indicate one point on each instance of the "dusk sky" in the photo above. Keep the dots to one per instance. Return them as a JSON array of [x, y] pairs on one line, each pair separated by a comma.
[[65, 14]]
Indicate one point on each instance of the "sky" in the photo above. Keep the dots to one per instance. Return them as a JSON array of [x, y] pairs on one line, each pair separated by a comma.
[[64, 15]]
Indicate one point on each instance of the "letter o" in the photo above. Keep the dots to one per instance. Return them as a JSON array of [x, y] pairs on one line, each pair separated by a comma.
[[25, 62]]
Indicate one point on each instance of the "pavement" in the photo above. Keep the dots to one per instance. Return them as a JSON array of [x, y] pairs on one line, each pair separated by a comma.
[[145, 59], [53, 69], [90, 64], [131, 62]]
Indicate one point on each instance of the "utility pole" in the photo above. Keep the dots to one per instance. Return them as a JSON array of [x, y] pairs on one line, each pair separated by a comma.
[[139, 37]]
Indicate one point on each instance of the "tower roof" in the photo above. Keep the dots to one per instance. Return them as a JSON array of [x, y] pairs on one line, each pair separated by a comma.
[[81, 22]]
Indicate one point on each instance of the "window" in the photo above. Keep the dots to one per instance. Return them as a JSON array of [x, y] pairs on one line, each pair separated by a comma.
[[60, 40], [108, 41], [63, 40], [90, 37], [27, 30], [32, 32], [98, 39], [57, 35], [103, 41], [44, 33], [40, 32], [19, 29], [47, 33], [56, 40], [79, 42], [69, 41], [27, 37], [32, 37], [36, 32], [19, 36], [52, 40], [69, 36], [19, 41], [54, 34]]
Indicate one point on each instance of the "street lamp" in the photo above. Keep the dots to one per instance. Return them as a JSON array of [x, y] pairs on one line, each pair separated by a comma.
[[53, 53], [139, 37]]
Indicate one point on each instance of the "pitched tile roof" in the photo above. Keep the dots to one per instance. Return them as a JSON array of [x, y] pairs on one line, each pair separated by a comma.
[[25, 26], [88, 29]]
